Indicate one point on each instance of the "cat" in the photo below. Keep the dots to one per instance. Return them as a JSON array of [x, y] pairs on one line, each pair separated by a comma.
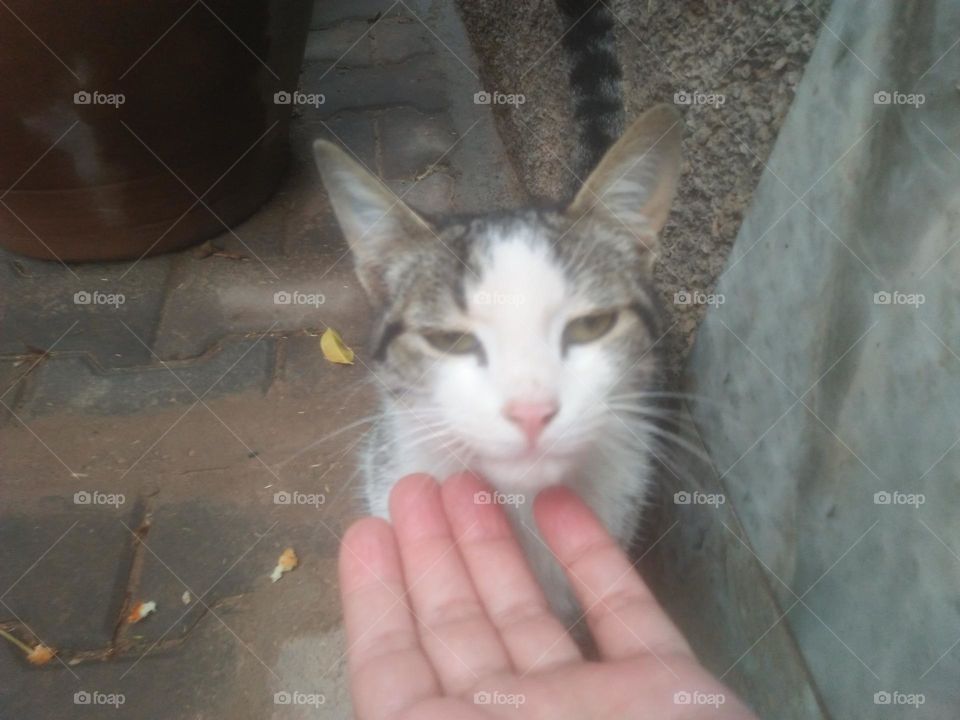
[[522, 345]]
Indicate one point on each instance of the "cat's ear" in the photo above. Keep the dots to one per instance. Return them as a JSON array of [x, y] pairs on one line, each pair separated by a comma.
[[634, 184], [377, 224]]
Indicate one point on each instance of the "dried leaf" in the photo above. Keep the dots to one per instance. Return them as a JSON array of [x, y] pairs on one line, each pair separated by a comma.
[[140, 611], [230, 255], [287, 562], [334, 349], [41, 655], [209, 249], [205, 250]]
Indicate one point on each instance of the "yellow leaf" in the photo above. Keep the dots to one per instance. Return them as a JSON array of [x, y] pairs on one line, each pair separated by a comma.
[[334, 349]]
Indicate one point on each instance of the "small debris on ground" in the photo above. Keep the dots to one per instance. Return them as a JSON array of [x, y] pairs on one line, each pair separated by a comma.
[[208, 249], [287, 562], [40, 654], [140, 611]]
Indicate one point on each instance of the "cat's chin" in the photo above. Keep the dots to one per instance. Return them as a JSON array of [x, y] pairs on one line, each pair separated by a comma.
[[527, 472]]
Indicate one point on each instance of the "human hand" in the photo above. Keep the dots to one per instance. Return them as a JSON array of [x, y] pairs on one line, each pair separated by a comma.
[[478, 640]]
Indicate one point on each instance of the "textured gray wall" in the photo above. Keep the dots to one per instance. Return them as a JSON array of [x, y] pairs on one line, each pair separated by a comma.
[[838, 445]]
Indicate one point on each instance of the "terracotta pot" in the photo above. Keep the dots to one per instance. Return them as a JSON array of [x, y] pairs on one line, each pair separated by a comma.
[[115, 118]]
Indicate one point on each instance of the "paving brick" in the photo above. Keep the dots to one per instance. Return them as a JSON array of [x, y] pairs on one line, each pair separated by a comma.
[[431, 195], [301, 368], [192, 547], [413, 141], [347, 44], [311, 232], [223, 549], [243, 299], [74, 385], [201, 683], [326, 13], [72, 597], [13, 383], [399, 37], [99, 298], [316, 237], [258, 240], [415, 82], [352, 130]]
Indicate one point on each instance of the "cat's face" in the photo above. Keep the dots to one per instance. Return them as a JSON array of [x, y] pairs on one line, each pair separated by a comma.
[[513, 335], [514, 339]]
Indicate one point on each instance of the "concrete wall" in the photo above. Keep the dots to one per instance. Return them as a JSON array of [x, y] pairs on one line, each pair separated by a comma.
[[836, 364]]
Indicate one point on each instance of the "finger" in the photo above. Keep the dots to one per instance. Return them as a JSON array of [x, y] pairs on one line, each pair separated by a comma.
[[388, 669], [516, 605], [456, 633], [623, 615]]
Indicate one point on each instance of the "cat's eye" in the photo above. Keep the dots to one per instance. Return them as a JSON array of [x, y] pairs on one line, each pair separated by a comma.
[[452, 341], [588, 328]]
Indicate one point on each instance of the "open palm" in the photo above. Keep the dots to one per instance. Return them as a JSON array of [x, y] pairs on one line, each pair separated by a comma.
[[445, 621]]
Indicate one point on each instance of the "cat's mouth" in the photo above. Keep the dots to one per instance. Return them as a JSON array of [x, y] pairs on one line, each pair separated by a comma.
[[531, 453]]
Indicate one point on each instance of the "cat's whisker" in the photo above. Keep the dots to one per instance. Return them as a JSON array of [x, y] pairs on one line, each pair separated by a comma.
[[369, 419], [456, 449], [647, 410], [690, 398], [659, 452], [673, 438], [726, 413], [415, 439], [642, 412]]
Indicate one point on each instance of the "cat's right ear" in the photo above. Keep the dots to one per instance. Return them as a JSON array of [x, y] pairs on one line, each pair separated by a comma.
[[634, 184], [377, 224]]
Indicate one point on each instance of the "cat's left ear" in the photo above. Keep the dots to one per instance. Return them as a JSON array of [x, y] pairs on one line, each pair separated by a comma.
[[634, 184]]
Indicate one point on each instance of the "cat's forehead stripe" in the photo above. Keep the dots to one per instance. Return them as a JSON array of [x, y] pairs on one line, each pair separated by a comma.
[[519, 276]]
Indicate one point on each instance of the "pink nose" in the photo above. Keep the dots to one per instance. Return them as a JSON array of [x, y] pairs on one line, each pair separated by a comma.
[[531, 417]]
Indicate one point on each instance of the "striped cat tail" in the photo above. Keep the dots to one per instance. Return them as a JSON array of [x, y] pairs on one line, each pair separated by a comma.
[[595, 80]]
